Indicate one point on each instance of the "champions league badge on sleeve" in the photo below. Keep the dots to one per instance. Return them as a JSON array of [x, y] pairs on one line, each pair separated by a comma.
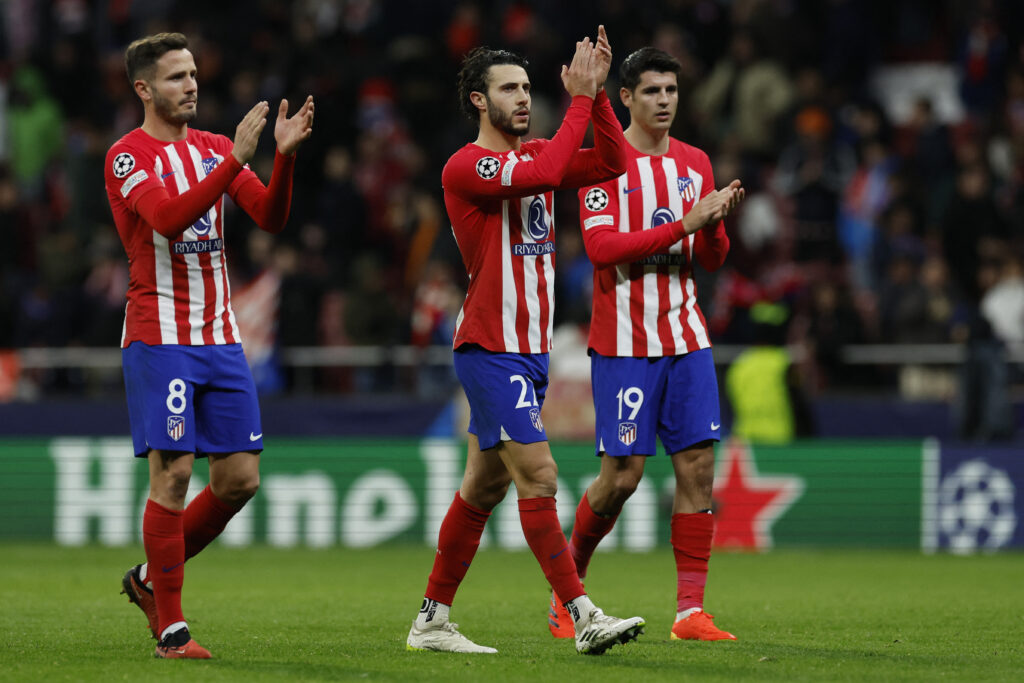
[[487, 168], [596, 199], [123, 164], [175, 427], [627, 433]]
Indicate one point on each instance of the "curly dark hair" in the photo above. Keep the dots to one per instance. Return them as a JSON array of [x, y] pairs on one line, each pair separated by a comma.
[[141, 56], [646, 59], [473, 74]]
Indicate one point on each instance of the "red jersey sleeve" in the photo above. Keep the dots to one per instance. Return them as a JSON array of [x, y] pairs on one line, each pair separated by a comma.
[[607, 159], [711, 243], [147, 196], [480, 175], [267, 205], [605, 245]]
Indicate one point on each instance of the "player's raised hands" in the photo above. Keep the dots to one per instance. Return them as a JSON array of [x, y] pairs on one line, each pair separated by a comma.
[[714, 207], [602, 57], [248, 132], [579, 77], [291, 132]]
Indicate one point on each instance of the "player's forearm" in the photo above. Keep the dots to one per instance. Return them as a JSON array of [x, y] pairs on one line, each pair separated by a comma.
[[269, 206], [549, 167], [609, 142], [711, 246], [171, 216], [608, 247], [607, 159]]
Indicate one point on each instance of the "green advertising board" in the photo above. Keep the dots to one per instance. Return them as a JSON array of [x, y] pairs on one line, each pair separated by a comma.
[[360, 493]]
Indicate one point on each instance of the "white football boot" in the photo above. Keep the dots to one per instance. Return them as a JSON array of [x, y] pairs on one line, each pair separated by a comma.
[[600, 631], [443, 638]]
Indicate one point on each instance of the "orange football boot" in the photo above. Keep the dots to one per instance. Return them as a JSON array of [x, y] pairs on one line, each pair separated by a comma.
[[559, 621], [142, 596], [699, 626], [169, 647]]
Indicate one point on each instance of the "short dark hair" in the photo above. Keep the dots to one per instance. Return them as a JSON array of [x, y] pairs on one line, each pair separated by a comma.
[[143, 53], [473, 74], [646, 59]]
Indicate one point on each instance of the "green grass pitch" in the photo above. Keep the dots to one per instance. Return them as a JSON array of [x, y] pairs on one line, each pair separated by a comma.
[[303, 615]]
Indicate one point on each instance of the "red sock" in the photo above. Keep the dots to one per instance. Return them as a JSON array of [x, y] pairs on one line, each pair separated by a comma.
[[205, 517], [457, 542], [165, 551], [691, 542], [587, 532], [543, 532]]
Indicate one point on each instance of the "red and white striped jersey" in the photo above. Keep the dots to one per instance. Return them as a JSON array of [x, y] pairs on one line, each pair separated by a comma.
[[501, 208], [508, 248], [645, 301], [178, 291]]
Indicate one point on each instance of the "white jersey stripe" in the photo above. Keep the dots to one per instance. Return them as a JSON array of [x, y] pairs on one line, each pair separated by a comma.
[[509, 302], [196, 287], [549, 279], [623, 285], [651, 301], [530, 281], [164, 289], [675, 284], [216, 257], [692, 319], [164, 280]]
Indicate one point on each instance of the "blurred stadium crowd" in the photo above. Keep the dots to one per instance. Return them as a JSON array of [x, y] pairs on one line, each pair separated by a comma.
[[881, 143]]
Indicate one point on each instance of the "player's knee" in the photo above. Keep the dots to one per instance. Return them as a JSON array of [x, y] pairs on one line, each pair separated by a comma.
[[491, 493], [238, 490], [541, 480], [624, 484]]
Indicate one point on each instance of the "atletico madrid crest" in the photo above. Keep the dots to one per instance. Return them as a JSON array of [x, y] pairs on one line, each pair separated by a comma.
[[627, 433], [535, 419], [686, 189], [175, 427]]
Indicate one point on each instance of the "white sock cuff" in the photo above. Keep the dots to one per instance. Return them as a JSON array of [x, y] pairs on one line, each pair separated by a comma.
[[173, 628]]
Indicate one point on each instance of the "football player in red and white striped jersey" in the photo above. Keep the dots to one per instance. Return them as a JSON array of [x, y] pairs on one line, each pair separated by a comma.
[[498, 192], [190, 392], [651, 367]]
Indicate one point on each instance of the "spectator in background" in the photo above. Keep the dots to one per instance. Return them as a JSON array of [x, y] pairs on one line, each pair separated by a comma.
[[971, 225], [743, 96], [1002, 304], [812, 171], [764, 386], [36, 129]]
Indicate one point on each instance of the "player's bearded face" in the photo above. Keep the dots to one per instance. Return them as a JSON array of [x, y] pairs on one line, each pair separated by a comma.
[[509, 119], [171, 108], [173, 87]]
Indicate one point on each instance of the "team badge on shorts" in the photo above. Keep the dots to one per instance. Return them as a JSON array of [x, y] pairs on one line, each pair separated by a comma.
[[627, 433], [123, 164], [596, 199], [175, 427], [535, 419], [487, 167]]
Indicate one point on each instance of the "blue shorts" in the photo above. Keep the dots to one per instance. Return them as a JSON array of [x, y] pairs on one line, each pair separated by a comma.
[[635, 399], [196, 399], [505, 392]]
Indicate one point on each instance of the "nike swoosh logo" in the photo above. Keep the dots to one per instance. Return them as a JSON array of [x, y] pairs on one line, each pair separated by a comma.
[[171, 569], [255, 437], [714, 427], [167, 174], [631, 189], [559, 552]]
